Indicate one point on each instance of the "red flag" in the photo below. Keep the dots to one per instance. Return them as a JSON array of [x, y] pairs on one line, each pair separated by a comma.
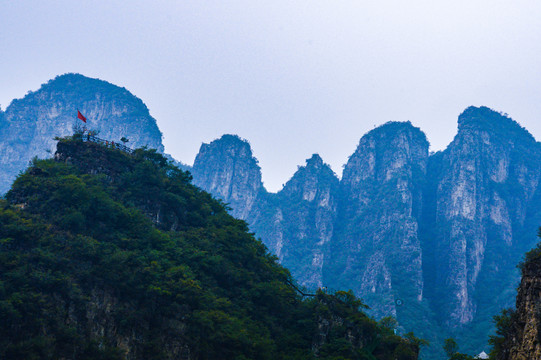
[[80, 116]]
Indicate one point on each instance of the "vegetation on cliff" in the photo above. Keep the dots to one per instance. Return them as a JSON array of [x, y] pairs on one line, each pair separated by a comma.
[[518, 330], [106, 255]]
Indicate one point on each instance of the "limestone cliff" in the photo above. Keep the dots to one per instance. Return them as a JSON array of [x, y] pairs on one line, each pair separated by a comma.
[[432, 240], [296, 224], [484, 183], [87, 272], [29, 125], [227, 169], [378, 244], [429, 239], [308, 204]]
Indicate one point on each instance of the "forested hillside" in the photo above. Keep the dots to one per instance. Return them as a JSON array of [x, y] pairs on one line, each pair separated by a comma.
[[110, 255]]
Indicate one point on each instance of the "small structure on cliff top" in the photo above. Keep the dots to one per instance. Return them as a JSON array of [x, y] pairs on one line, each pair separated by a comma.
[[91, 138]]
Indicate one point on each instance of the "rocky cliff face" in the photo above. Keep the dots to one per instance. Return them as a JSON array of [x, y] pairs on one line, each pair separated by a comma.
[[378, 244], [307, 204], [29, 125], [521, 329], [487, 178], [296, 224], [88, 272], [432, 240], [227, 169]]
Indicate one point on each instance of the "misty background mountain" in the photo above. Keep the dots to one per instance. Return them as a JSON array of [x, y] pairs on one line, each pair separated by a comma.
[[432, 239], [29, 125]]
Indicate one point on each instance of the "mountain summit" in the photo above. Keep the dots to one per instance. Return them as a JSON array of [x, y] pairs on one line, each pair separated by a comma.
[[29, 125], [227, 169]]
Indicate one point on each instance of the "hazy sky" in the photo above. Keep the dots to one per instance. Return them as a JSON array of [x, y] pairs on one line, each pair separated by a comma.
[[292, 77]]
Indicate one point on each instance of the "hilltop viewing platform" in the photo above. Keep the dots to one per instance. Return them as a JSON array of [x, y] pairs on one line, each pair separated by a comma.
[[107, 143]]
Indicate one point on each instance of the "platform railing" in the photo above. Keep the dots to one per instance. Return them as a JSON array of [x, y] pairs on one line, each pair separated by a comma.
[[107, 143]]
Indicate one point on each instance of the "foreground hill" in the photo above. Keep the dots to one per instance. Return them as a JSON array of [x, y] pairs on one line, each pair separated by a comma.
[[109, 255]]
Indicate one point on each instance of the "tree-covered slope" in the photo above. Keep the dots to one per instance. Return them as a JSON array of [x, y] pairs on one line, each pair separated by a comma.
[[107, 255]]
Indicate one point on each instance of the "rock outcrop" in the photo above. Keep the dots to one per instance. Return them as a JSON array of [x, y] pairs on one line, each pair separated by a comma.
[[227, 169], [296, 224], [29, 126], [307, 205], [520, 330]]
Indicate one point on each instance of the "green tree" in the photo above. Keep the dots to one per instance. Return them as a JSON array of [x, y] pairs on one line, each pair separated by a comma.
[[450, 347]]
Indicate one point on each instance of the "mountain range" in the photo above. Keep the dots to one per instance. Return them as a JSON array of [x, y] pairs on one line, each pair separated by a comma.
[[432, 239]]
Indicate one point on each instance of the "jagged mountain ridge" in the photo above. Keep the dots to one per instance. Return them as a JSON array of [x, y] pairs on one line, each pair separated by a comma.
[[298, 221], [29, 125], [439, 235]]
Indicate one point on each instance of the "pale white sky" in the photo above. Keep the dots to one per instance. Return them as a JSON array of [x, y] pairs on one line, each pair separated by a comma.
[[292, 77]]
